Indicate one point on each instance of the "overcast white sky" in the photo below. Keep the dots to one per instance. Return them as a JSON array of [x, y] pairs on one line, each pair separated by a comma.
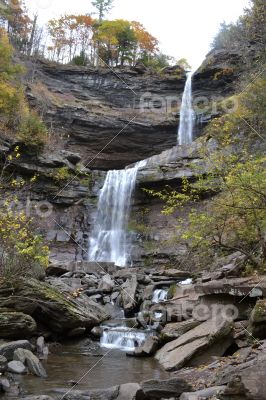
[[185, 28]]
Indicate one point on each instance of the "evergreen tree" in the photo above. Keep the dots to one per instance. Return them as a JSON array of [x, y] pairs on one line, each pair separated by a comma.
[[103, 7]]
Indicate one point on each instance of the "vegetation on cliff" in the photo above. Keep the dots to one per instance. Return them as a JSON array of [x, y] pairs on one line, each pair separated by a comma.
[[234, 216]]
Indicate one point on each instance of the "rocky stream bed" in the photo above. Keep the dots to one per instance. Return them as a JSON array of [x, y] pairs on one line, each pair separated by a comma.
[[96, 331]]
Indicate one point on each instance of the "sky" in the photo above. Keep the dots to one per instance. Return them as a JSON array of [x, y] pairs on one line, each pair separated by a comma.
[[184, 28]]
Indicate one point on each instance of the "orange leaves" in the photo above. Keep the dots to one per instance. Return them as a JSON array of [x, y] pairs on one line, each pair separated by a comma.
[[146, 41]]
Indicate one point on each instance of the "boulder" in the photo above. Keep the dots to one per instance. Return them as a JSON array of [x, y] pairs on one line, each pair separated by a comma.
[[3, 364], [177, 353], [128, 391], [149, 347], [166, 389], [7, 349], [129, 289], [14, 325], [203, 394], [32, 362], [17, 367], [106, 284], [176, 329], [94, 394], [258, 320], [60, 311]]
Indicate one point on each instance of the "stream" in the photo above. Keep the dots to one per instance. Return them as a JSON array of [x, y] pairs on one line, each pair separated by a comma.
[[75, 358]]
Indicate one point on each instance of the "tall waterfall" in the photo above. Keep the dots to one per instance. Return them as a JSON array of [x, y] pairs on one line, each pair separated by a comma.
[[110, 241], [187, 115]]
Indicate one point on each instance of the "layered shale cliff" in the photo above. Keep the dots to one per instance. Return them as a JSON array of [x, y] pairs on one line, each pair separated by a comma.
[[108, 119]]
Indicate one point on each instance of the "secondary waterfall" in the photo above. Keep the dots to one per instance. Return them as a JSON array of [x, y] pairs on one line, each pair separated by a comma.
[[110, 241], [187, 115], [159, 295], [122, 338]]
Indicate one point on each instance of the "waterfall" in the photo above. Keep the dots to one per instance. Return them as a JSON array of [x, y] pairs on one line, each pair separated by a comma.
[[110, 241], [187, 115], [159, 295], [122, 338]]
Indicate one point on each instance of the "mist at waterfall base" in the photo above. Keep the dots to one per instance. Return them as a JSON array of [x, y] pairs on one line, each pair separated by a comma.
[[110, 241], [187, 115]]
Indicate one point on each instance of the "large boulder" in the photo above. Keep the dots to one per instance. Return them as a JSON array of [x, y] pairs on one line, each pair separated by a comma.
[[32, 362], [14, 325], [149, 347], [60, 311], [178, 353], [166, 389], [16, 367], [176, 329]]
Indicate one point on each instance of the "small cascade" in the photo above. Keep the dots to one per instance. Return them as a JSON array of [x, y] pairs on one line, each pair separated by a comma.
[[159, 295], [110, 240], [122, 338], [187, 115]]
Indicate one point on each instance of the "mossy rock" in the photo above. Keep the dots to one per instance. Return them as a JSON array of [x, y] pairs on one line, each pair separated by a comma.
[[60, 312], [14, 325], [257, 326]]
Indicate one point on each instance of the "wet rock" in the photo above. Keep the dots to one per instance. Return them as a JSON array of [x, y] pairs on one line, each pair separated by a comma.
[[14, 325], [4, 385], [128, 293], [7, 350], [177, 353], [128, 391], [149, 347], [58, 310], [31, 361], [97, 394], [97, 331], [17, 367], [166, 389], [3, 364], [42, 349]]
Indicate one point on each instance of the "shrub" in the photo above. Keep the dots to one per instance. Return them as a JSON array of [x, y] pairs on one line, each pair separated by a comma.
[[61, 175], [32, 132], [20, 247]]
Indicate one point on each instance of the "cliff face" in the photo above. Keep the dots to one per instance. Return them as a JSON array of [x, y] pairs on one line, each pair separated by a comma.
[[112, 118], [109, 120]]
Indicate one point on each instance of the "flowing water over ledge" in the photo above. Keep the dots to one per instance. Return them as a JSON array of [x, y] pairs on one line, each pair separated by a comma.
[[74, 359]]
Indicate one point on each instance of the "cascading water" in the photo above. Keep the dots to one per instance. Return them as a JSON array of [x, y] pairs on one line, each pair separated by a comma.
[[159, 295], [187, 115], [110, 241], [122, 338]]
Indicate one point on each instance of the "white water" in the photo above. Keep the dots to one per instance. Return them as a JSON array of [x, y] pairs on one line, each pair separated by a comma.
[[159, 295], [187, 115], [110, 241], [122, 338]]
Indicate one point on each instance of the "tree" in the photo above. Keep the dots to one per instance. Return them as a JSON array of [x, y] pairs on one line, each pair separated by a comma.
[[116, 40], [183, 63], [103, 7], [147, 45]]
